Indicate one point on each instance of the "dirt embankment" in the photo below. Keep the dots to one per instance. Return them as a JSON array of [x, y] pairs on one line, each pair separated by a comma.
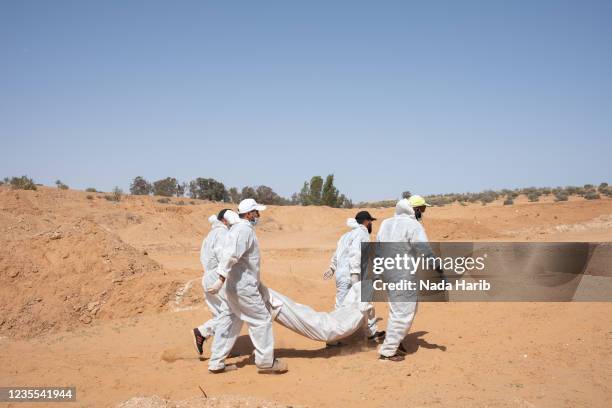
[[62, 271]]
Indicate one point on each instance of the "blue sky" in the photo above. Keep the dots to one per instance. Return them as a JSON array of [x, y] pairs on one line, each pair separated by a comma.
[[437, 96]]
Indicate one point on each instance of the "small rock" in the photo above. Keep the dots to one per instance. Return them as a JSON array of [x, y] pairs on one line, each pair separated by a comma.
[[85, 319], [56, 235]]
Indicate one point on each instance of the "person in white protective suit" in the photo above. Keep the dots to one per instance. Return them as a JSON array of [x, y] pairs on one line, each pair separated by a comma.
[[346, 263], [403, 229], [210, 254], [239, 270]]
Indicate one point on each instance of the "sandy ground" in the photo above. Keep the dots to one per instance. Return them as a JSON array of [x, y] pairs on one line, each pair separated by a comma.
[[102, 296]]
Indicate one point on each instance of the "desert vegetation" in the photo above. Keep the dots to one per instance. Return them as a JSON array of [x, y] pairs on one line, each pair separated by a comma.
[[316, 192]]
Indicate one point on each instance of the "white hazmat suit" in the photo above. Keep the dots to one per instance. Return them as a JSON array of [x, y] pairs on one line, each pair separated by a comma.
[[240, 267], [346, 262], [402, 228], [210, 254], [347, 257]]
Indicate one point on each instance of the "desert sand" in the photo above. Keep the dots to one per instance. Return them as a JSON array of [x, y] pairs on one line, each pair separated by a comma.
[[103, 295]]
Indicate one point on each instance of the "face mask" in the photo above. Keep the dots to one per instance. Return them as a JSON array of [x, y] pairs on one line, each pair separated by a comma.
[[254, 221]]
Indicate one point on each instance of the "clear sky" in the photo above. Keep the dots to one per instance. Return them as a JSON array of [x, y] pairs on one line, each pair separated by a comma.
[[429, 96]]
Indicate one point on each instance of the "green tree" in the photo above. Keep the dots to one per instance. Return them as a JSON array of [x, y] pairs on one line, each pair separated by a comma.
[[140, 186], [234, 195], [248, 192], [345, 202], [266, 195], [165, 187], [207, 189], [180, 189], [330, 193], [304, 196], [316, 190]]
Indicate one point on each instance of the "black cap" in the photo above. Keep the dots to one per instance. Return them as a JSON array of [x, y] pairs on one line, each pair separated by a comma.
[[364, 215], [221, 214]]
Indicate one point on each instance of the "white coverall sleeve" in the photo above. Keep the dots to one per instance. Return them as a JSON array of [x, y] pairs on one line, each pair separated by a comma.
[[202, 254], [419, 236], [333, 264], [235, 246], [355, 254], [219, 245]]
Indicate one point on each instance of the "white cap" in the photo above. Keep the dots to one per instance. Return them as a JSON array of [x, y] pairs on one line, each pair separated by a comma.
[[248, 204]]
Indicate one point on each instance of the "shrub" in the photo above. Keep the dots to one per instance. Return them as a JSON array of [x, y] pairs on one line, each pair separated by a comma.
[[61, 185], [591, 195], [91, 190], [181, 203], [561, 196], [572, 190], [508, 201], [533, 196], [22, 183], [406, 194], [164, 200], [115, 196], [603, 187], [487, 196], [89, 197]]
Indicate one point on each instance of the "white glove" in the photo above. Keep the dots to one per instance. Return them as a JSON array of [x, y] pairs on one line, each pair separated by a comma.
[[328, 273], [354, 278], [215, 288]]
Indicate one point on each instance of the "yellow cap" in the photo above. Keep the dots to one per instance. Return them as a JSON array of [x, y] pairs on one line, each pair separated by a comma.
[[417, 201]]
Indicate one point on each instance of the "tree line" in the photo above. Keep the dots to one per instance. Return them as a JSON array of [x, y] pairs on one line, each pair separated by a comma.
[[317, 191], [314, 192]]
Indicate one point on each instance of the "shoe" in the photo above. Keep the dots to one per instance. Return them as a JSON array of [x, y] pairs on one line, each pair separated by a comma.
[[279, 367], [198, 341], [395, 358], [402, 350], [225, 369], [378, 336]]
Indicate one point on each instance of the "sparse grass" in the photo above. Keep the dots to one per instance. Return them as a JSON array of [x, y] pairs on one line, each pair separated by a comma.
[[115, 196]]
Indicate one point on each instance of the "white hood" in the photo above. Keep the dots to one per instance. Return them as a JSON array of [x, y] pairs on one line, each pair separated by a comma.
[[214, 222], [403, 207], [231, 217], [352, 223]]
